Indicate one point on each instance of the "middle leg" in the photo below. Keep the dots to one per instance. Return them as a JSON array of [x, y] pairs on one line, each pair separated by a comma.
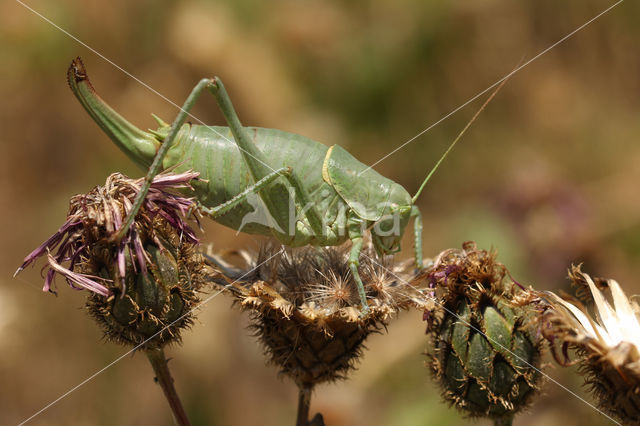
[[354, 226], [225, 207], [259, 168]]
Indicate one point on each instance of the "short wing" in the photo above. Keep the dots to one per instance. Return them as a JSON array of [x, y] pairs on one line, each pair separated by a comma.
[[367, 192]]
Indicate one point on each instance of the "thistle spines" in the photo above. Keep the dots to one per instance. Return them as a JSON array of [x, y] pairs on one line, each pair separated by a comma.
[[486, 350]]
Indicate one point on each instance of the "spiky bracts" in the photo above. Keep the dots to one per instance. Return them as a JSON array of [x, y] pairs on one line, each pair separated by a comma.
[[305, 307], [151, 307], [607, 345], [485, 341], [143, 285]]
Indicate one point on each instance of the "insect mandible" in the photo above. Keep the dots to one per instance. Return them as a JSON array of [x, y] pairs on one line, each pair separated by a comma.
[[313, 194]]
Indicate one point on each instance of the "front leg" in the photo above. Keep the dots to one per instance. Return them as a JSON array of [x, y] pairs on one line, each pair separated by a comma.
[[162, 152], [417, 236], [354, 227]]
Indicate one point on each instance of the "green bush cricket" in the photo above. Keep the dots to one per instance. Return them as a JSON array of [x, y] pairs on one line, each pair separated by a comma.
[[305, 204]]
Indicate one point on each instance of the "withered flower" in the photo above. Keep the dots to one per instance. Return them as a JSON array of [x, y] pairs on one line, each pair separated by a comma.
[[305, 308], [144, 284], [486, 344], [607, 343], [142, 289]]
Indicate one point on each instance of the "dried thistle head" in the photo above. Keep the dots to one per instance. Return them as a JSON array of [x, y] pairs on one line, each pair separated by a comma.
[[143, 286], [607, 343], [305, 307], [486, 346]]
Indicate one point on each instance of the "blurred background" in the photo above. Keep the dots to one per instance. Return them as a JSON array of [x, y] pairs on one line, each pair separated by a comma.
[[547, 176]]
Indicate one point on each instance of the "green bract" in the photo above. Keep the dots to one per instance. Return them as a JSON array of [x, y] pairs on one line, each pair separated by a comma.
[[150, 308], [486, 345]]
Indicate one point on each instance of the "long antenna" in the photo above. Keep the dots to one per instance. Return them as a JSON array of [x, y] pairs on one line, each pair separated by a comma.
[[415, 197]]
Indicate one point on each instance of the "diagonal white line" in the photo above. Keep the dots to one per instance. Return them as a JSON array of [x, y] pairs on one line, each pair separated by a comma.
[[34, 285], [435, 300], [494, 84], [196, 119], [115, 361], [127, 73], [382, 159]]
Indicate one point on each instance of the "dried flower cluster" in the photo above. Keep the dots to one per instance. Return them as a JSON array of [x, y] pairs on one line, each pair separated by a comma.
[[144, 284], [486, 344], [607, 344], [306, 311]]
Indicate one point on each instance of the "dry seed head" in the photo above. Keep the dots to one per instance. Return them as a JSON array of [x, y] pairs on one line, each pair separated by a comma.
[[144, 286], [485, 342], [607, 344], [334, 293], [305, 308]]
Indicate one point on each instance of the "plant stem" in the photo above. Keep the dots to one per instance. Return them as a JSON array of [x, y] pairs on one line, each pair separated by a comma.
[[304, 401], [163, 376], [504, 421]]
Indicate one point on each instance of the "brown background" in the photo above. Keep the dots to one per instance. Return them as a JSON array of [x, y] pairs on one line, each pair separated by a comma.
[[548, 176]]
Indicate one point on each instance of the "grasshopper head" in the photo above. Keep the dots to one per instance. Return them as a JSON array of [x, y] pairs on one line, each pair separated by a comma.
[[387, 231]]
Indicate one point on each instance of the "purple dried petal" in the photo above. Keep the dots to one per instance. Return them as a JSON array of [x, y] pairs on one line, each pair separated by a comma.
[[172, 219], [70, 247], [159, 243], [50, 243], [76, 255], [173, 180], [72, 284], [133, 262], [120, 260], [518, 284], [180, 225], [82, 280], [48, 280], [127, 205], [117, 218], [140, 253], [114, 215], [103, 210]]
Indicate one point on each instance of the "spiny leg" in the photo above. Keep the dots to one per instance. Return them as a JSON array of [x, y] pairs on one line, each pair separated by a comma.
[[354, 226], [259, 167], [253, 157], [303, 201], [225, 207], [417, 235], [164, 148]]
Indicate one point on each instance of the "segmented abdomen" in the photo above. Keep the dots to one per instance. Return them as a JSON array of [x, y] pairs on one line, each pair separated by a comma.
[[212, 152]]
